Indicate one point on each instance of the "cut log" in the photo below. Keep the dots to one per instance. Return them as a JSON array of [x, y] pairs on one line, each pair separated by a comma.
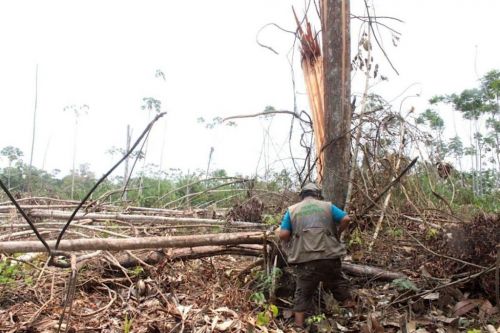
[[118, 244], [62, 215], [248, 250], [155, 257], [27, 207], [372, 272]]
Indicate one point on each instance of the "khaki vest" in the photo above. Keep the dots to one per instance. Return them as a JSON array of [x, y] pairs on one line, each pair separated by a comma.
[[314, 233]]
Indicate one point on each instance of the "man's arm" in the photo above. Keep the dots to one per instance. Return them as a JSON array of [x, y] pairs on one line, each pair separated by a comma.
[[341, 218], [285, 235], [344, 223], [286, 227]]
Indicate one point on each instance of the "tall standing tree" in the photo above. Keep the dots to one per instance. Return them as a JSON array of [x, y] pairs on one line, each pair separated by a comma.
[[78, 111], [150, 104], [436, 124], [490, 84], [335, 17], [471, 104], [12, 154], [28, 183], [456, 148]]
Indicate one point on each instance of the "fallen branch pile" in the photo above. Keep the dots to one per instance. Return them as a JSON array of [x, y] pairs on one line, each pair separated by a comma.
[[148, 264]]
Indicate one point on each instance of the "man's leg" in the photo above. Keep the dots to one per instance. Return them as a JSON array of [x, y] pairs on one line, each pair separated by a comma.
[[307, 282], [338, 284], [299, 319]]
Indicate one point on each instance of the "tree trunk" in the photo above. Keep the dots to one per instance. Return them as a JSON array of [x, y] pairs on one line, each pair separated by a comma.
[[120, 244], [337, 69], [154, 257], [64, 215], [125, 175], [372, 272], [28, 185]]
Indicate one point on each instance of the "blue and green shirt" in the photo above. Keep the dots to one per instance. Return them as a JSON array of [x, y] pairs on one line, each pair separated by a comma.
[[337, 215]]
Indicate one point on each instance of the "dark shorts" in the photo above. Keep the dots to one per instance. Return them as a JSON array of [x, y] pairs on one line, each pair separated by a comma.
[[310, 274]]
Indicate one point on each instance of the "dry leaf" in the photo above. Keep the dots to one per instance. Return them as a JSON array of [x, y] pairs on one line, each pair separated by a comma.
[[411, 326], [214, 323], [486, 310], [183, 310], [227, 310], [446, 320], [465, 306], [342, 328], [431, 296], [225, 325], [372, 325]]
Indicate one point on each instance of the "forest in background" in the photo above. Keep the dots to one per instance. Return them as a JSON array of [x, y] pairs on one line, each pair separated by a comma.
[[467, 174]]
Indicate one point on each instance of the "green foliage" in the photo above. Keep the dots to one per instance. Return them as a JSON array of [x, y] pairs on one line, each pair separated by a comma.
[[431, 233], [456, 147], [474, 331], [264, 280], [28, 280], [11, 153], [272, 219], [404, 285], [315, 319], [258, 297], [432, 118], [269, 311], [264, 317], [150, 103], [136, 272], [215, 122], [395, 232], [8, 272], [355, 238], [170, 189], [127, 324]]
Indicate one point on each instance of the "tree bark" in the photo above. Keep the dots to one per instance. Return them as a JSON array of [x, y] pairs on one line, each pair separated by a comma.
[[28, 182], [126, 175], [372, 272], [337, 69], [155, 257], [119, 244], [249, 250], [62, 215]]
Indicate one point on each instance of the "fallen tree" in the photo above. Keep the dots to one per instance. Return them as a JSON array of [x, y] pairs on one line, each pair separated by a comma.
[[62, 215], [134, 243], [155, 257]]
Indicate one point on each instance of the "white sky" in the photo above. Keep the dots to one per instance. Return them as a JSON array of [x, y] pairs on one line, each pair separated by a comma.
[[105, 54]]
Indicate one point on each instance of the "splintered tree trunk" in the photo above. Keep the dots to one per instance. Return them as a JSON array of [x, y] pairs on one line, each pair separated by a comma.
[[337, 64]]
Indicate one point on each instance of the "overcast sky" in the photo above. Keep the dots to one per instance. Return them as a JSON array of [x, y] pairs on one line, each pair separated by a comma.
[[105, 54]]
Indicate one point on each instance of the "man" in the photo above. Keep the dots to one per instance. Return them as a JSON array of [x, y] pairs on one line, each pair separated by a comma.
[[311, 232]]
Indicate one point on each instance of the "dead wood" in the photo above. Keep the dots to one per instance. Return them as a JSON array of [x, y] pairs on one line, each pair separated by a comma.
[[372, 272], [115, 244], [497, 278], [61, 215], [155, 257], [8, 208], [460, 281]]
